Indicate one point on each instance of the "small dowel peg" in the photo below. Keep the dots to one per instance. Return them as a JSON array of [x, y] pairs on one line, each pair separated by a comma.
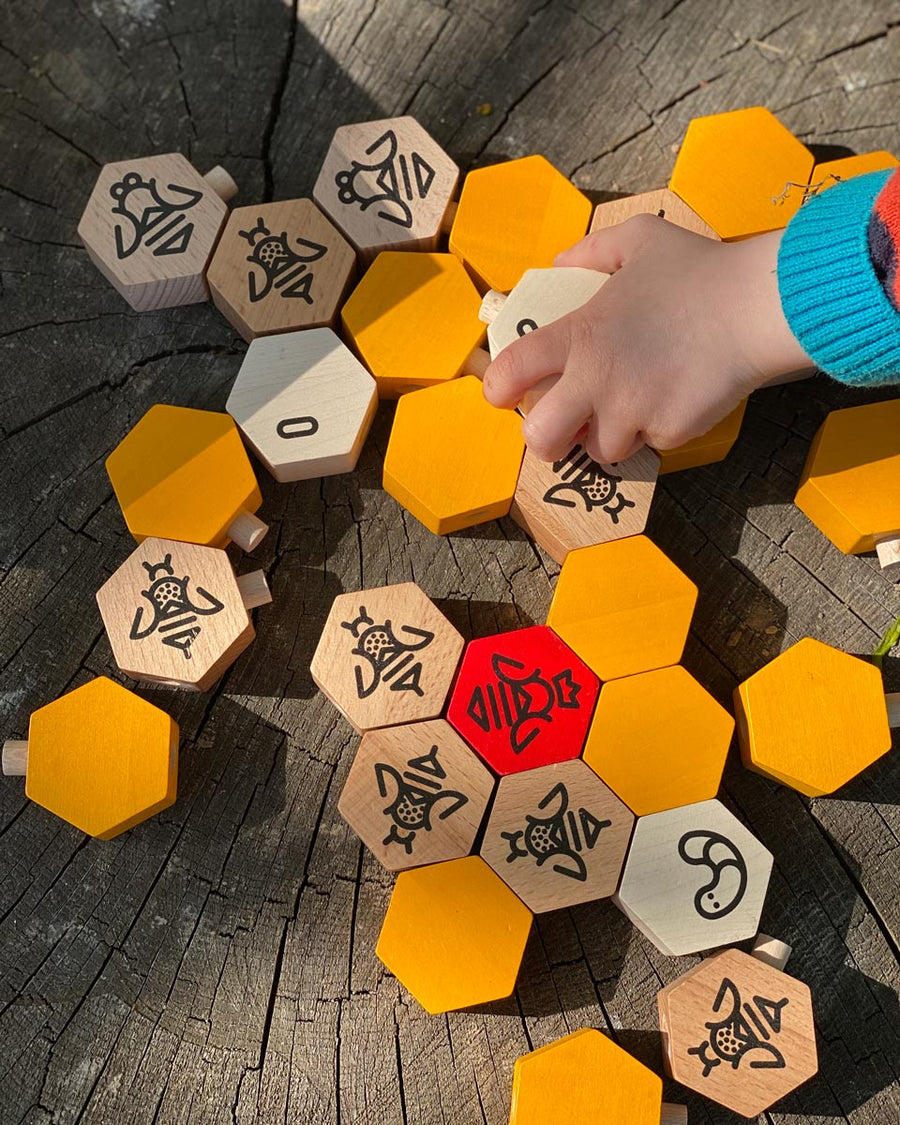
[[771, 951], [221, 183], [892, 699], [247, 531], [477, 363], [254, 589], [888, 550], [673, 1114], [15, 758], [491, 304], [449, 216]]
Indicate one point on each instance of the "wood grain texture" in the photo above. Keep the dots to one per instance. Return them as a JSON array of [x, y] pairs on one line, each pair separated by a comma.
[[542, 296], [663, 203], [220, 957]]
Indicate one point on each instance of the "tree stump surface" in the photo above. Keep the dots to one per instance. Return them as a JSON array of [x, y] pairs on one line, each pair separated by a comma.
[[217, 964]]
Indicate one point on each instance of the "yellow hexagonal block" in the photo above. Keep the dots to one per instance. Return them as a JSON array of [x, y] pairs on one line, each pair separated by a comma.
[[413, 319], [183, 474], [623, 606], [453, 459], [454, 934], [735, 170], [813, 718], [102, 758], [708, 448], [659, 740], [516, 216], [584, 1079], [830, 172], [850, 487]]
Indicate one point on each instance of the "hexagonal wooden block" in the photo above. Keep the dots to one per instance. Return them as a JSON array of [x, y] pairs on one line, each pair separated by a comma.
[[739, 1031], [176, 614], [742, 172], [646, 722], [387, 185], [414, 320], [416, 794], [99, 757], [454, 934], [183, 474], [661, 202], [304, 403], [708, 448], [623, 606], [849, 488], [523, 699], [516, 216], [830, 172], [150, 226], [386, 656], [586, 1079], [557, 836], [813, 718], [577, 502], [453, 459], [278, 267], [695, 878]]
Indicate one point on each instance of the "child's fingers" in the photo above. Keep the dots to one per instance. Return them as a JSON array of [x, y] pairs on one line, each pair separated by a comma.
[[524, 362], [607, 250], [607, 441], [554, 423]]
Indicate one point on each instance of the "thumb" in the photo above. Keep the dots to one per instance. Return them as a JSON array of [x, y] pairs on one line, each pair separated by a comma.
[[608, 249]]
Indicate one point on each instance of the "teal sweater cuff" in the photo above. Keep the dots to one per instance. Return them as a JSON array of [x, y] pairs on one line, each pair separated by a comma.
[[831, 296]]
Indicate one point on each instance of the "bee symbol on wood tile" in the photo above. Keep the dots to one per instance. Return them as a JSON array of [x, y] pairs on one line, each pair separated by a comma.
[[559, 835], [743, 1033], [277, 265], [389, 658], [151, 215], [391, 180], [588, 481], [174, 608], [418, 792]]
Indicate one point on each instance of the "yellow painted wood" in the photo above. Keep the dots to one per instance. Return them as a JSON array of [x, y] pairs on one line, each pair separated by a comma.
[[102, 758], [733, 168], [623, 606], [709, 448], [453, 459], [813, 718], [454, 934], [516, 216], [830, 172], [413, 320], [850, 486], [183, 474], [645, 723]]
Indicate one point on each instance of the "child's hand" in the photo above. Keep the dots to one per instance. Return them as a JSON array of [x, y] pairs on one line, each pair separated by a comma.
[[684, 329]]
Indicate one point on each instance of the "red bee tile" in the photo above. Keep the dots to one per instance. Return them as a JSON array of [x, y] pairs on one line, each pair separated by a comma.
[[523, 699]]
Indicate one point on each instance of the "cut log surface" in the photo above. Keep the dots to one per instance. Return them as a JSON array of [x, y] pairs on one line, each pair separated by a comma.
[[217, 963]]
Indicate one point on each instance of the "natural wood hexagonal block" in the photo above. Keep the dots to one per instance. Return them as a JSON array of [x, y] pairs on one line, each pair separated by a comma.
[[278, 267], [738, 1031], [695, 878], [557, 836], [515, 216], [523, 699], [453, 459], [150, 226], [386, 656], [454, 934], [304, 403], [183, 474], [387, 185], [661, 202], [623, 606], [416, 794], [646, 722], [708, 448], [743, 172], [813, 718], [175, 613], [99, 757], [414, 320]]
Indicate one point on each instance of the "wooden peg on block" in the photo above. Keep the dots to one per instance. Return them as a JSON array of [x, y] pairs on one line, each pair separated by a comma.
[[413, 320], [304, 403], [150, 226], [175, 613], [183, 474], [386, 656], [387, 185], [523, 699], [586, 1079], [557, 836], [739, 1030], [814, 717], [279, 267], [850, 487], [513, 217], [695, 878], [100, 757], [662, 202], [416, 794]]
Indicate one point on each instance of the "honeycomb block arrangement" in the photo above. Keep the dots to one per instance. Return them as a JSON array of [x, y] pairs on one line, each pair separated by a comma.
[[99, 757]]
